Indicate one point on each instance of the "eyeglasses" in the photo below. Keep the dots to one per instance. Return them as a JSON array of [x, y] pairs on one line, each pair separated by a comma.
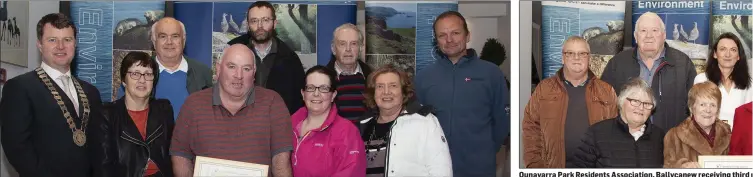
[[572, 54], [264, 21], [137, 76], [638, 103], [322, 89]]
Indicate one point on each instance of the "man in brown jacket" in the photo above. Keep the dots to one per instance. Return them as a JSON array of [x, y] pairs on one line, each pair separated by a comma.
[[563, 107]]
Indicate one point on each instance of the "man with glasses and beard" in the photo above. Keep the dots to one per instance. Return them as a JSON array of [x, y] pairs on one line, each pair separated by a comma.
[[279, 67]]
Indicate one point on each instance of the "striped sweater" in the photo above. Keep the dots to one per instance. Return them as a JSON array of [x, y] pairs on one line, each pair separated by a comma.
[[350, 99]]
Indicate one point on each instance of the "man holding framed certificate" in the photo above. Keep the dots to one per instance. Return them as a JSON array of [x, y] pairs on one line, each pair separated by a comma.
[[246, 125]]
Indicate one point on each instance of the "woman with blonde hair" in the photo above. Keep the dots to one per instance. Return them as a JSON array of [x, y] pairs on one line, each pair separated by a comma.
[[703, 133]]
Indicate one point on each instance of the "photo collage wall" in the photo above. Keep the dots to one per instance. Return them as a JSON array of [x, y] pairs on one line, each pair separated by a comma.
[[400, 33]]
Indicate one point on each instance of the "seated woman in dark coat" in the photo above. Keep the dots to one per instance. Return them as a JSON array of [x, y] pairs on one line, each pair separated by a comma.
[[134, 137], [628, 141]]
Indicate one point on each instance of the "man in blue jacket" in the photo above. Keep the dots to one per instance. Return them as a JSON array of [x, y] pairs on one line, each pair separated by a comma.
[[470, 97]]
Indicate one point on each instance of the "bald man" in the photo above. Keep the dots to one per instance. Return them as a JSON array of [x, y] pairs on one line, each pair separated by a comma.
[[668, 71], [234, 120], [179, 76]]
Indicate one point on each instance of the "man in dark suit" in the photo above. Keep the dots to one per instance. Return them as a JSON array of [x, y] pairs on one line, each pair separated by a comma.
[[45, 112]]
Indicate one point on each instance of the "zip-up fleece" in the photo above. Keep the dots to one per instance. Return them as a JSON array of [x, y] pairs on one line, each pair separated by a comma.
[[472, 105], [334, 149]]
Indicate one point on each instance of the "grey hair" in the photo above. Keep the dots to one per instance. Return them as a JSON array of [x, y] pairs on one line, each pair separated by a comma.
[[153, 31], [348, 26], [648, 14], [576, 39], [633, 86]]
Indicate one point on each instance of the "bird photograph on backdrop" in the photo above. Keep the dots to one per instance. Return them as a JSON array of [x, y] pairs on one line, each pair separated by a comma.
[[604, 31], [685, 37], [686, 29], [131, 32], [134, 24]]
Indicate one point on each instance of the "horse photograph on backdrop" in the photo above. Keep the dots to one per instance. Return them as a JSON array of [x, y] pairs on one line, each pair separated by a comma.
[[9, 31], [3, 19]]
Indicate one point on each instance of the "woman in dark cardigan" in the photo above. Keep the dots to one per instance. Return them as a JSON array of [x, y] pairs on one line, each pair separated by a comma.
[[628, 141], [134, 137]]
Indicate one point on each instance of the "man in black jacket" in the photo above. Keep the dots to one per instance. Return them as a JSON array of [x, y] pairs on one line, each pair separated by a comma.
[[45, 112], [278, 66], [668, 71]]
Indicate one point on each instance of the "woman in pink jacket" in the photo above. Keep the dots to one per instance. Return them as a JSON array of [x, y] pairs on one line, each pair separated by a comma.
[[325, 143]]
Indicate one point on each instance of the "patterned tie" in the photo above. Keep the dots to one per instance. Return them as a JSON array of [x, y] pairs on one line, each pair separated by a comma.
[[67, 89]]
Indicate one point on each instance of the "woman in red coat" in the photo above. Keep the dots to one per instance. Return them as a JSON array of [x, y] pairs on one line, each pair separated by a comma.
[[741, 142]]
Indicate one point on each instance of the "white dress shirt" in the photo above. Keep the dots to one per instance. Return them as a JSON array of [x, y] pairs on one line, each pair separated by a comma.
[[182, 67]]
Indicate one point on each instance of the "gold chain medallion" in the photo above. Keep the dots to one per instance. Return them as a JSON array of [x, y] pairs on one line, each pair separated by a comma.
[[79, 134], [79, 137]]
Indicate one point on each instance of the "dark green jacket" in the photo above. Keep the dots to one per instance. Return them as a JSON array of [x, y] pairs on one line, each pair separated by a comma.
[[199, 76]]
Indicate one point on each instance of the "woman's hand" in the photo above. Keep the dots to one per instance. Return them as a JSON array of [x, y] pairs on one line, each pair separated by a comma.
[[691, 165]]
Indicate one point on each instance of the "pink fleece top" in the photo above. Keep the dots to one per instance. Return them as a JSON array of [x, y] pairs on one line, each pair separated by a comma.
[[334, 149]]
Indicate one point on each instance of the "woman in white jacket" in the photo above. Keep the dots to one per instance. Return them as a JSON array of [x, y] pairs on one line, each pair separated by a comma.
[[402, 137]]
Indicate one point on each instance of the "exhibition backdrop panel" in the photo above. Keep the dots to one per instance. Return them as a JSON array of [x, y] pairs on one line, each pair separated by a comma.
[[601, 23], [402, 33], [306, 27], [735, 17], [687, 25], [107, 31]]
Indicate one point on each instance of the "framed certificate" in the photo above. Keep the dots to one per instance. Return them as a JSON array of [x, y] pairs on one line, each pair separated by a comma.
[[731, 161], [209, 167]]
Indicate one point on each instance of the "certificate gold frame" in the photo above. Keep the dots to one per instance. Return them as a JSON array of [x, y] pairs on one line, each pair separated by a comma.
[[729, 161], [209, 167]]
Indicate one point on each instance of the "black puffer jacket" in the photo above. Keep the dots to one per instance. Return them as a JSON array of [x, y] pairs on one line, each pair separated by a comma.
[[608, 144], [120, 149]]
